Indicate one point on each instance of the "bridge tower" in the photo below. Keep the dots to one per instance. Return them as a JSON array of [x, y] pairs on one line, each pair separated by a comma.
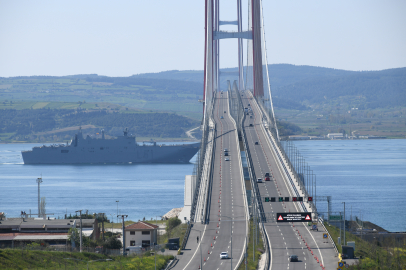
[[254, 77]]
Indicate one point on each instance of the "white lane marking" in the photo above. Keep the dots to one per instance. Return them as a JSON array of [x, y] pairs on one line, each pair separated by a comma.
[[204, 231]]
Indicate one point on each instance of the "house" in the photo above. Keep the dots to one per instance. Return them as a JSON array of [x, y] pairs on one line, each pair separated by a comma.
[[141, 234]]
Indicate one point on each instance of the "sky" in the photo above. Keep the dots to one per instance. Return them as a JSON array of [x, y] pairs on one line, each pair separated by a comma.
[[122, 38]]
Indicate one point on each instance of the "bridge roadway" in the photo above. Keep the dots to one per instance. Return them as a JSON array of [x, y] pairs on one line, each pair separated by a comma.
[[285, 238], [227, 202]]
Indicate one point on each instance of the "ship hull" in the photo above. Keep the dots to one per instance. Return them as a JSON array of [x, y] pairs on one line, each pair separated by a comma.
[[135, 154]]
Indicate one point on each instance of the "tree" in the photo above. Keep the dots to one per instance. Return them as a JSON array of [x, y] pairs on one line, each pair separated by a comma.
[[172, 223], [73, 236], [113, 243]]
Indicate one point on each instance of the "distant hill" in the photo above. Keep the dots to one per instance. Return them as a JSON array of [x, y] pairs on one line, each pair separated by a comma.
[[371, 89], [293, 85]]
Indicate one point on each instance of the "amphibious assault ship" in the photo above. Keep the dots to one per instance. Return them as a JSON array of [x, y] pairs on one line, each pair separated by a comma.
[[124, 149]]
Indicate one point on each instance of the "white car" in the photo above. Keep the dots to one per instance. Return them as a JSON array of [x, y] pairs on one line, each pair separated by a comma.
[[223, 255], [227, 159], [259, 180]]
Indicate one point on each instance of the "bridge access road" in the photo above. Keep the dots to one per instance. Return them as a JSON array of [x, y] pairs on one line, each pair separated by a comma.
[[313, 251], [227, 228]]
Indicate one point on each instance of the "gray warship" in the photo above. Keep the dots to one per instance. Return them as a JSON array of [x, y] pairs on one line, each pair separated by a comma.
[[124, 149]]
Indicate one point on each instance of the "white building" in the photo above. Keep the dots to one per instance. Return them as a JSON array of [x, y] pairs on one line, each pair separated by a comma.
[[141, 234], [335, 136]]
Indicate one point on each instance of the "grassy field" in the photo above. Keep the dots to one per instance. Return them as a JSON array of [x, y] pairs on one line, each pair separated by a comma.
[[30, 259], [44, 92], [374, 256]]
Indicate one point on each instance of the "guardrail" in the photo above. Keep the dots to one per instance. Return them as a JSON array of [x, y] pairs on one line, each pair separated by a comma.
[[199, 166], [210, 182], [321, 220]]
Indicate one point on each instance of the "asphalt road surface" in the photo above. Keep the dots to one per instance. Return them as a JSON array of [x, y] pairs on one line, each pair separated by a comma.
[[227, 229], [285, 238]]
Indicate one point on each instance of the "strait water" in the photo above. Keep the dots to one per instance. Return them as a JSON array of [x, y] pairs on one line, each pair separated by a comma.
[[369, 175], [142, 190]]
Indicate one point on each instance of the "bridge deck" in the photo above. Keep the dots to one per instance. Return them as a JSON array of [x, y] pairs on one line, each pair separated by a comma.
[[286, 238], [227, 202]]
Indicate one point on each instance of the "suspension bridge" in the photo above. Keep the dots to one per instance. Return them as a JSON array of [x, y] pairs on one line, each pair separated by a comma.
[[241, 144]]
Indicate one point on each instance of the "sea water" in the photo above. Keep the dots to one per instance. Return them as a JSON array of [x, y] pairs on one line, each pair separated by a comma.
[[368, 175], [147, 190]]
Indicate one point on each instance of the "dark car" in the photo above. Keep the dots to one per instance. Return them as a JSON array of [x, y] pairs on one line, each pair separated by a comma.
[[293, 258], [266, 174], [256, 143], [250, 125]]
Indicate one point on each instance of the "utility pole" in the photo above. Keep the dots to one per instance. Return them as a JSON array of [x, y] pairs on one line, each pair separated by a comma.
[[39, 181], [117, 210], [344, 223], [103, 226], [123, 216], [340, 229], [80, 212]]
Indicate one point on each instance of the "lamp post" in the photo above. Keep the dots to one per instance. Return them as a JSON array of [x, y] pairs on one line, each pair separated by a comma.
[[123, 216], [80, 212], [117, 210], [39, 181], [344, 223]]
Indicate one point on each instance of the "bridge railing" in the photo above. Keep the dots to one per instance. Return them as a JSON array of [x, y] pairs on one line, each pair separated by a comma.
[[200, 164], [207, 200]]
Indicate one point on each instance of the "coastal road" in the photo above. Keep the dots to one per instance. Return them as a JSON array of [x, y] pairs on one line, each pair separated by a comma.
[[285, 238], [227, 228]]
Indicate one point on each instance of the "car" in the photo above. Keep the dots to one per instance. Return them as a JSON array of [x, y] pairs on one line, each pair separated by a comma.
[[248, 113], [267, 174], [267, 178], [226, 154], [225, 112], [227, 159], [251, 125], [223, 255], [250, 116], [293, 258], [225, 150], [221, 117], [259, 180], [249, 104], [256, 143]]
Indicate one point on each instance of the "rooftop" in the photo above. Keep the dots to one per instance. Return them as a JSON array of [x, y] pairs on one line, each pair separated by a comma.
[[141, 226]]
